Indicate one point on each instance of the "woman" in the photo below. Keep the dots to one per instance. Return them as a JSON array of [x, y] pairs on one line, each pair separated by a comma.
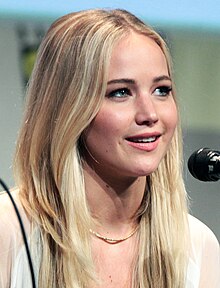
[[98, 165]]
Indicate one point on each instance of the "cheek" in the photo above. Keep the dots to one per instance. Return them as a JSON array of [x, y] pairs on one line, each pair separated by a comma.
[[104, 134], [108, 123], [171, 118], [100, 133], [103, 125]]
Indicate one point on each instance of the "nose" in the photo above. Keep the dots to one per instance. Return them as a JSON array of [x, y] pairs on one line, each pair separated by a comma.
[[146, 112]]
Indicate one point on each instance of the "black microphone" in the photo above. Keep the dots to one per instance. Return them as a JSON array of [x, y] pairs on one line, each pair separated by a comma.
[[204, 164]]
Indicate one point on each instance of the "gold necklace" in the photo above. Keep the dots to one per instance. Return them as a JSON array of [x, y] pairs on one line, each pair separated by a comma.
[[111, 240]]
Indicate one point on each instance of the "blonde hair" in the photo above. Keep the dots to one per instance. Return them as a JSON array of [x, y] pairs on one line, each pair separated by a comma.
[[65, 92]]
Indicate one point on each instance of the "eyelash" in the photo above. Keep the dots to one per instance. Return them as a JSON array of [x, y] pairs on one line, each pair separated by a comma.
[[124, 92], [164, 91]]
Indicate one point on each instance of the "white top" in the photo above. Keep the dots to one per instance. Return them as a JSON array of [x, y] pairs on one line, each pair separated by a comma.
[[203, 268]]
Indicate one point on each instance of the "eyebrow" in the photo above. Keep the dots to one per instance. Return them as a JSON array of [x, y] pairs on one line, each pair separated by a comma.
[[131, 81], [161, 78], [123, 80]]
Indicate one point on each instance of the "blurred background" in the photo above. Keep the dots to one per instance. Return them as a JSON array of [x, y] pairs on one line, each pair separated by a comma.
[[192, 30]]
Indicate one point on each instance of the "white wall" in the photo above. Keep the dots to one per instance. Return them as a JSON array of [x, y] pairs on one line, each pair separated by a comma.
[[11, 97], [197, 72]]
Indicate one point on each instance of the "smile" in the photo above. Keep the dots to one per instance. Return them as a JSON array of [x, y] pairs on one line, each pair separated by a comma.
[[142, 142]]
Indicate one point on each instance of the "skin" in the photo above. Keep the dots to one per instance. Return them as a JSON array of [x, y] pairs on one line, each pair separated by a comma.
[[115, 169]]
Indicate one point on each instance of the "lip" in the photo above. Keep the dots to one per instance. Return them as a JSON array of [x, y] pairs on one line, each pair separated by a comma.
[[145, 146]]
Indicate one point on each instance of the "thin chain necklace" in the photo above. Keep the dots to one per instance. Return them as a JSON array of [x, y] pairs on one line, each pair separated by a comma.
[[111, 240]]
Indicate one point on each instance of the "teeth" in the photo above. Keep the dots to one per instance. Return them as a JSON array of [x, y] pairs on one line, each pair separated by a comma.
[[144, 140]]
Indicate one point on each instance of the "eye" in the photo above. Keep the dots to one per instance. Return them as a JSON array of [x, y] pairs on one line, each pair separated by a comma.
[[119, 93], [163, 91]]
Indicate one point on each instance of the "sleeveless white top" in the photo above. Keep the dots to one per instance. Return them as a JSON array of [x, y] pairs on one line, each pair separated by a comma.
[[203, 266]]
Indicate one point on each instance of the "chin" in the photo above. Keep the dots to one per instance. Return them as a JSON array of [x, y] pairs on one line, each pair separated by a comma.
[[145, 171]]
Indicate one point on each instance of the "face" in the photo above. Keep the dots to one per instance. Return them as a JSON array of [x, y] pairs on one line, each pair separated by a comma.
[[134, 127]]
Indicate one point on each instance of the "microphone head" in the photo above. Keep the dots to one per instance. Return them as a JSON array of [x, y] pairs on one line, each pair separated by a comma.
[[201, 165]]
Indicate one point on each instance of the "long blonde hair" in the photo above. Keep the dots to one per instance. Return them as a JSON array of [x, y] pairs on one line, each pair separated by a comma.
[[64, 95]]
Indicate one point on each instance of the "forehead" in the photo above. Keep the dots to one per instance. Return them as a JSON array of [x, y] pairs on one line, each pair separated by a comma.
[[137, 52]]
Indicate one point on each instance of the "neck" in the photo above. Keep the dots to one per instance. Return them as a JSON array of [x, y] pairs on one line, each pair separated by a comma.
[[113, 202]]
